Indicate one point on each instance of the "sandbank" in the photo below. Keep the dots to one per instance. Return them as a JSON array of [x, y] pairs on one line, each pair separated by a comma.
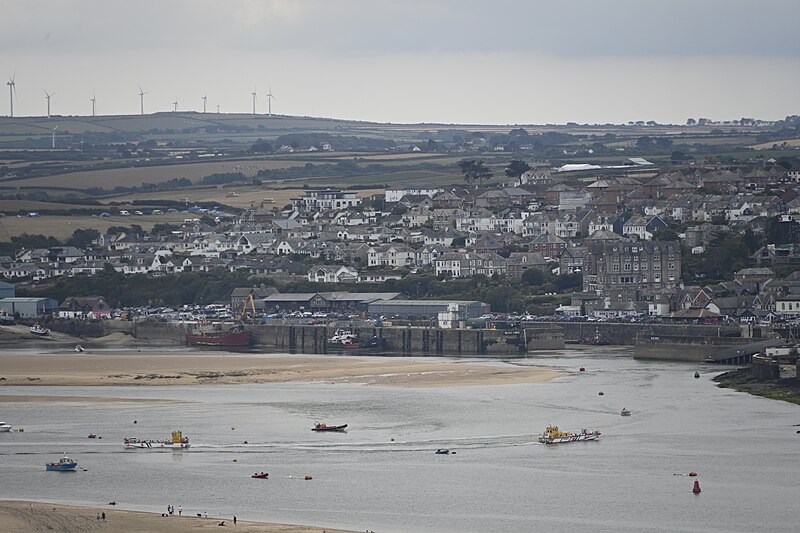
[[188, 368], [24, 517]]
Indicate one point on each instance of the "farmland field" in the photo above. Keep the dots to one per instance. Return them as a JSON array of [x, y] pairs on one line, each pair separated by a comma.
[[62, 227]]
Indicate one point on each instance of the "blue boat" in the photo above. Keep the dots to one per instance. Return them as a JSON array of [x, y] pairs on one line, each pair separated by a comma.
[[65, 464]]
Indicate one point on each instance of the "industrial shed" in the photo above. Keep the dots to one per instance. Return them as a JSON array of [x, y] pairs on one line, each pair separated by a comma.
[[426, 308], [29, 307]]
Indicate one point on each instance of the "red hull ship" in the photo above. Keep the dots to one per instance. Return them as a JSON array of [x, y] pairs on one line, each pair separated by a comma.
[[234, 337]]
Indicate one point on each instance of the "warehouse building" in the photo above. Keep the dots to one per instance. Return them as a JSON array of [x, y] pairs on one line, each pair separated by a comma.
[[29, 307]]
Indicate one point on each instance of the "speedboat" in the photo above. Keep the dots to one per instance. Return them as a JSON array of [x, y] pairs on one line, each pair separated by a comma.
[[79, 348], [64, 464], [442, 451], [5, 428], [326, 427], [625, 412], [260, 475]]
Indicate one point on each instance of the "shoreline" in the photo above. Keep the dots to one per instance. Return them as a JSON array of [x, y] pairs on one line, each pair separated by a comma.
[[742, 380], [154, 367], [23, 516]]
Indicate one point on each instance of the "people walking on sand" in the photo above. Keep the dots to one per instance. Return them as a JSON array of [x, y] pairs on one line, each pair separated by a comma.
[[98, 516], [180, 510], [234, 520], [103, 515]]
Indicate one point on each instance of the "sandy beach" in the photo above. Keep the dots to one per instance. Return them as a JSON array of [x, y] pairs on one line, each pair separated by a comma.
[[120, 367], [27, 517]]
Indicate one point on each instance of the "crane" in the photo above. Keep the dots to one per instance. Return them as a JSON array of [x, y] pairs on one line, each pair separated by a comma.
[[249, 300]]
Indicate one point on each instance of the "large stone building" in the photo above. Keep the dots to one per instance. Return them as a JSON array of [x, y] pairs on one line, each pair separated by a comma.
[[623, 271]]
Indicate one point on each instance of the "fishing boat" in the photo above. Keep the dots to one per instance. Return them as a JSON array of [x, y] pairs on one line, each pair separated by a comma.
[[64, 464], [5, 428], [597, 340], [625, 412], [260, 475], [326, 427], [37, 329], [178, 441], [552, 435], [344, 339], [206, 335]]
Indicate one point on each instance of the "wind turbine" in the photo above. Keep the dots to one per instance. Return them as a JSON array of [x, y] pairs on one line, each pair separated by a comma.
[[12, 92], [141, 98], [269, 99], [205, 97], [254, 102], [54, 137], [175, 103], [93, 100], [48, 95]]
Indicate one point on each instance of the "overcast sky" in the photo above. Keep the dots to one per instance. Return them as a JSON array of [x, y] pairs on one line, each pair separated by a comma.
[[451, 61]]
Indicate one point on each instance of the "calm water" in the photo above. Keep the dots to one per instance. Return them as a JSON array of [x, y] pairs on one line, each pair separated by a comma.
[[744, 448]]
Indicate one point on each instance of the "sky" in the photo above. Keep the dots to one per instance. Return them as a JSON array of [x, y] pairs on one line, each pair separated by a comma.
[[410, 61]]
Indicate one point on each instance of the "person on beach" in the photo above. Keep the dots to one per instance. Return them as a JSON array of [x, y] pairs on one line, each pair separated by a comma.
[[103, 515], [234, 520], [180, 510]]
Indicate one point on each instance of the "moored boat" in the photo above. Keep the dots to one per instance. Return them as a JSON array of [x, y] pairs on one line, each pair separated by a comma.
[[37, 329], [260, 475], [552, 435], [5, 428], [64, 464], [326, 427], [178, 441], [205, 336], [625, 412]]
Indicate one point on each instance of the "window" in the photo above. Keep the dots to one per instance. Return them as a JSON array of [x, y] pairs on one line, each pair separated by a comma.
[[656, 266], [616, 267], [671, 266], [657, 278], [627, 267]]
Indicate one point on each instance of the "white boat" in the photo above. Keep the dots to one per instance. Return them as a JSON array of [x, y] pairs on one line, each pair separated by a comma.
[[5, 428], [36, 329], [625, 412], [552, 435], [178, 441], [79, 348]]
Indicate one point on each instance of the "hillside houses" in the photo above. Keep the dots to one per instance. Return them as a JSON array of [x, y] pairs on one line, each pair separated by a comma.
[[332, 236]]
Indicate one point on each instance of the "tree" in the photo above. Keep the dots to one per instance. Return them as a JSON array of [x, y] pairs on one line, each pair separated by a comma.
[[691, 122], [81, 238], [533, 276], [474, 170], [665, 234], [516, 168]]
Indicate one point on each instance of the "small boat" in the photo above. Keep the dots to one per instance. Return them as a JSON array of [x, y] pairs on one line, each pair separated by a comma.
[[344, 339], [79, 348], [5, 428], [442, 451], [696, 375], [64, 464], [6, 317], [92, 436], [625, 412], [326, 427], [552, 435], [260, 475], [373, 342], [37, 329], [178, 441]]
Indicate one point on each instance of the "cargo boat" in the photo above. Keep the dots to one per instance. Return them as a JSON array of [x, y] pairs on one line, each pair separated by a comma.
[[235, 336], [552, 435], [178, 441]]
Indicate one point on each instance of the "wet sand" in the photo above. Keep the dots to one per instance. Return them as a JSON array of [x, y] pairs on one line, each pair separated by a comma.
[[25, 517], [120, 367]]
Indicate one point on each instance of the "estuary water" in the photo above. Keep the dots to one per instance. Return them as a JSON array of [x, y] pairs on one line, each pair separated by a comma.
[[383, 474]]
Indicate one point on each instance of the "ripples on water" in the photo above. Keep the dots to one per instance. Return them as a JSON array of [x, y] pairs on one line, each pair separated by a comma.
[[383, 475]]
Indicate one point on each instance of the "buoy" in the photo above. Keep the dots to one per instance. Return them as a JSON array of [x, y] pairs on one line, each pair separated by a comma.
[[692, 474], [309, 477], [696, 488], [245, 442], [697, 375], [134, 421], [233, 428], [392, 439], [600, 393], [582, 369]]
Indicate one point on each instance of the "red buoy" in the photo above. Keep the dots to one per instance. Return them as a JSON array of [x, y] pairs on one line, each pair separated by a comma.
[[309, 477], [696, 488]]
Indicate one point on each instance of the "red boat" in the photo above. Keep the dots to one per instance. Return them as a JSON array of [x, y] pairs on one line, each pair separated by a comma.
[[260, 475], [326, 427], [235, 336]]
